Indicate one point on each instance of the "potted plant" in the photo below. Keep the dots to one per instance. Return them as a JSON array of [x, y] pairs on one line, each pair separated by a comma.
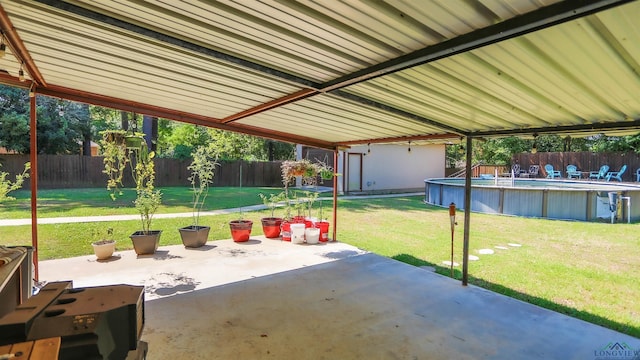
[[286, 221], [311, 233], [104, 248], [116, 158], [297, 225], [322, 224], [240, 229], [271, 225], [299, 205], [147, 201], [304, 168], [134, 140], [202, 169]]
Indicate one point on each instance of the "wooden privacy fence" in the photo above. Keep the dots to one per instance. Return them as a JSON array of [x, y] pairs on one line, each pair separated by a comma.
[[478, 170], [585, 161], [75, 171]]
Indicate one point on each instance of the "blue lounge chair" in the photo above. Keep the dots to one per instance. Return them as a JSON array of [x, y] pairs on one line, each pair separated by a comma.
[[638, 175], [600, 174], [572, 172], [552, 174], [616, 175]]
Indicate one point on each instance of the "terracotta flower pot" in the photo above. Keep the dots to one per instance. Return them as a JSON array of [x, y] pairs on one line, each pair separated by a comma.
[[240, 230]]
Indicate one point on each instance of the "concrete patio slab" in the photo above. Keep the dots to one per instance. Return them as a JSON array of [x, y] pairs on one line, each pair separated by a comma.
[[269, 299]]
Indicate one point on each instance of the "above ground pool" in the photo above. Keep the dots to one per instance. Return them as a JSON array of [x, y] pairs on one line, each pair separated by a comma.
[[541, 198]]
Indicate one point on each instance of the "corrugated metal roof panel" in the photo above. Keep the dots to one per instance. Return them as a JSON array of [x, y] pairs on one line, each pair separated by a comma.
[[217, 59], [574, 73], [337, 120], [91, 57]]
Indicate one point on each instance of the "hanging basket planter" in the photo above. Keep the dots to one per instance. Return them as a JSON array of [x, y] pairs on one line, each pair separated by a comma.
[[113, 136], [133, 142], [326, 174]]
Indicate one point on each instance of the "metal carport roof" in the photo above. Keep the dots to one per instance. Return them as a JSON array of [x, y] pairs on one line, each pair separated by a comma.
[[334, 73], [329, 73]]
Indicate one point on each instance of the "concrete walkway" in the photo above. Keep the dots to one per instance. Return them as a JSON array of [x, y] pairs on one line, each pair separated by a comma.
[[269, 299], [82, 219]]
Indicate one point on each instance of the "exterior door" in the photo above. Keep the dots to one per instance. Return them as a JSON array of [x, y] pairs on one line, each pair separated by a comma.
[[354, 172]]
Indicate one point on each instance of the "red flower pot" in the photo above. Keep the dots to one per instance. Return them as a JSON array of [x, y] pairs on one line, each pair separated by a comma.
[[240, 230], [324, 230], [271, 227], [286, 230]]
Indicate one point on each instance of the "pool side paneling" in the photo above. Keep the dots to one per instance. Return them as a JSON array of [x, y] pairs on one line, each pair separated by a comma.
[[583, 201], [486, 200], [635, 205], [564, 204], [523, 202]]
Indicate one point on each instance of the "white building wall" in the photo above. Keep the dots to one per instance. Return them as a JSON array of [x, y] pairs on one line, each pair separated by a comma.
[[393, 167]]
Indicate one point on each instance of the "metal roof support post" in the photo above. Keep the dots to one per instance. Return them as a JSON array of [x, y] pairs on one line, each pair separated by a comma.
[[335, 193], [467, 214], [33, 157]]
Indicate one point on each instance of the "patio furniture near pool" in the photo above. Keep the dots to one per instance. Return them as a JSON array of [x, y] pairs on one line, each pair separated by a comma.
[[533, 171], [616, 175], [572, 172], [600, 174], [551, 173]]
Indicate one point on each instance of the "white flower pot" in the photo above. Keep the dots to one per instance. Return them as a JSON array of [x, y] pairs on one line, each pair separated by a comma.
[[104, 249], [297, 233], [312, 235]]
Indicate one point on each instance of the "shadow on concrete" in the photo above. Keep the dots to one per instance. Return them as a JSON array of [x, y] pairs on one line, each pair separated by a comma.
[[341, 254], [159, 255], [201, 248], [249, 242], [109, 260], [165, 284], [361, 307]]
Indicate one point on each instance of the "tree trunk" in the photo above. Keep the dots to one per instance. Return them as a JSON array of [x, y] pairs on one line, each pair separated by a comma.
[[124, 116], [86, 141], [150, 130]]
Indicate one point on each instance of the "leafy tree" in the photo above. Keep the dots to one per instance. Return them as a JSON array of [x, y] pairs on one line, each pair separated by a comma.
[[62, 125], [602, 143], [14, 132], [103, 119], [233, 146], [14, 100], [179, 141]]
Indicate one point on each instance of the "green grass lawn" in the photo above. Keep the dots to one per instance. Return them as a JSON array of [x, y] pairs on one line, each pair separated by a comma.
[[587, 270], [96, 201]]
